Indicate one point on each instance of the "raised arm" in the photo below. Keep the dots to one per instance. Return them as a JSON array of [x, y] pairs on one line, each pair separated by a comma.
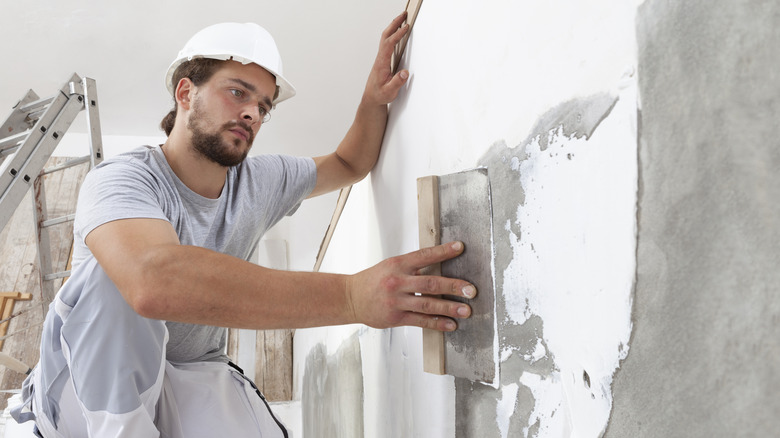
[[162, 279], [358, 152]]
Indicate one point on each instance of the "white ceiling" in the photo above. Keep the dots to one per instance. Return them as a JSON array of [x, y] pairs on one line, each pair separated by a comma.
[[126, 46]]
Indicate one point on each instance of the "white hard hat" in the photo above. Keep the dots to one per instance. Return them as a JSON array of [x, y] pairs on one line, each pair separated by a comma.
[[245, 43]]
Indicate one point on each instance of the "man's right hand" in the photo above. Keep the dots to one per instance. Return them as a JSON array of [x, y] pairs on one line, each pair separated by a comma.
[[384, 295]]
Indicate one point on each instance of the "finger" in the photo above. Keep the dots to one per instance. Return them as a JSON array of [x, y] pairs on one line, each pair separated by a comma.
[[390, 90], [399, 33], [433, 285], [389, 41], [394, 25], [439, 323], [435, 306], [434, 254]]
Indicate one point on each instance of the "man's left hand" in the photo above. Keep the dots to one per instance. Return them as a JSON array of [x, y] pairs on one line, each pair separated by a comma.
[[382, 86]]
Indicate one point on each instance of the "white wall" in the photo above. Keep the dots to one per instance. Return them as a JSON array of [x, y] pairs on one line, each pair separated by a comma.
[[485, 74]]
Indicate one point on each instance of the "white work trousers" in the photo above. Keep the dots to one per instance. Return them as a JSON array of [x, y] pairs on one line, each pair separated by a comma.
[[103, 373]]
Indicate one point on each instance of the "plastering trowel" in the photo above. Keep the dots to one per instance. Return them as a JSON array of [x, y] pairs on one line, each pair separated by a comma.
[[458, 207]]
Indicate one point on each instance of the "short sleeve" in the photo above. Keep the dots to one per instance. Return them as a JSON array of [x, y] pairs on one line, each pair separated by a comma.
[[119, 190], [300, 179]]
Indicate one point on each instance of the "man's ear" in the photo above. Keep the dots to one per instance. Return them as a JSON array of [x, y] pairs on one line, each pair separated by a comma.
[[183, 94]]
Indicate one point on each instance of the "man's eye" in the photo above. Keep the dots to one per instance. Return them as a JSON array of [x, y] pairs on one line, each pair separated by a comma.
[[237, 93], [263, 111]]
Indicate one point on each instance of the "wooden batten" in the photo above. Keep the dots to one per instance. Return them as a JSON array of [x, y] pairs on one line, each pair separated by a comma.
[[430, 235], [7, 301], [273, 361]]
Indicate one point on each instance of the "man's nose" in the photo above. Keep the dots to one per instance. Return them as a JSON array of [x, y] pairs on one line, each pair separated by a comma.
[[251, 114]]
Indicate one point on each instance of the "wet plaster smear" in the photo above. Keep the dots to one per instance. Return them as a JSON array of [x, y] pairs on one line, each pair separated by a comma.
[[564, 204]]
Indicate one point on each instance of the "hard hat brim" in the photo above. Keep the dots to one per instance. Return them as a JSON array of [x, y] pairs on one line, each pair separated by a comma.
[[285, 89]]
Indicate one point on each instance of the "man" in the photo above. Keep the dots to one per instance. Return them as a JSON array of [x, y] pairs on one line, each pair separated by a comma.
[[133, 345]]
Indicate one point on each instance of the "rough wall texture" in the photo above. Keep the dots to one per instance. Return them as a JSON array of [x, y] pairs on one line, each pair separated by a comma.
[[560, 199], [333, 392], [705, 346]]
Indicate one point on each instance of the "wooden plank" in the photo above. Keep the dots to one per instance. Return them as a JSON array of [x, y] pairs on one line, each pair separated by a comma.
[[8, 299], [430, 235], [13, 295], [273, 366], [232, 344], [412, 9], [6, 307], [334, 220], [273, 361]]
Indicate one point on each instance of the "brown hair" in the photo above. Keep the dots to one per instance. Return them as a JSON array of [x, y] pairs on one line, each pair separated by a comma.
[[199, 71]]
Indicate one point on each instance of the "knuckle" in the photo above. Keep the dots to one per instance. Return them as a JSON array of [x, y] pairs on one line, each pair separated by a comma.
[[431, 284], [394, 263], [428, 252], [390, 283]]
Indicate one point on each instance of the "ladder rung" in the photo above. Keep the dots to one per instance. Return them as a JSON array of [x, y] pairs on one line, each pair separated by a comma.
[[33, 116], [58, 220], [56, 275], [9, 151], [37, 105], [65, 165], [13, 141]]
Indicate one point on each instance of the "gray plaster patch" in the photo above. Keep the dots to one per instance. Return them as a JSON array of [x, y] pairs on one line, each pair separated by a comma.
[[332, 393], [475, 407], [476, 403], [577, 118], [524, 406], [704, 346], [522, 339]]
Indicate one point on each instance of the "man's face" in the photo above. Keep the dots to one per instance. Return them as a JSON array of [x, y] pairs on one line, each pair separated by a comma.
[[227, 111]]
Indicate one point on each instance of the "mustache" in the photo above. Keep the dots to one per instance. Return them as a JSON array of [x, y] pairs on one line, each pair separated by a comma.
[[242, 125]]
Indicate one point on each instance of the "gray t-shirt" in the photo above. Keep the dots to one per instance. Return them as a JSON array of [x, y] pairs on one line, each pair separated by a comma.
[[140, 184]]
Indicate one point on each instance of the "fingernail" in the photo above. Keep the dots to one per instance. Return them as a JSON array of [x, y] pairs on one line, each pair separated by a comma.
[[404, 74], [469, 291], [457, 246], [450, 326], [463, 311]]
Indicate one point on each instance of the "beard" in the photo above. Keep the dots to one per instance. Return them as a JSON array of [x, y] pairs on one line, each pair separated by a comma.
[[211, 145]]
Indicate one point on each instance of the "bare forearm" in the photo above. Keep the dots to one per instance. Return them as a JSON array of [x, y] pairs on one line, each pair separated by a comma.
[[360, 148], [161, 279], [196, 285]]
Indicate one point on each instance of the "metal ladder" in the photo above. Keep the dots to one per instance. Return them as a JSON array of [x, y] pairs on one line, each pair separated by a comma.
[[28, 137]]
